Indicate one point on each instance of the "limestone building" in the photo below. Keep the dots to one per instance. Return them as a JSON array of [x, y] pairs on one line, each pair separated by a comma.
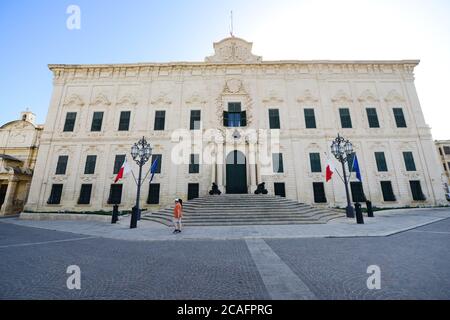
[[238, 121], [443, 147], [19, 141]]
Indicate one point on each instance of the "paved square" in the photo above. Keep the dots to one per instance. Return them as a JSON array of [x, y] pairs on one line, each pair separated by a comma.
[[414, 264]]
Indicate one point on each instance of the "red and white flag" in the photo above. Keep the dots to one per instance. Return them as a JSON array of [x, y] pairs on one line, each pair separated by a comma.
[[125, 169], [330, 169]]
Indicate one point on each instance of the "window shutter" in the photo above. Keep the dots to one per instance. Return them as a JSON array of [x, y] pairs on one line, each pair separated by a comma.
[[243, 118], [225, 118]]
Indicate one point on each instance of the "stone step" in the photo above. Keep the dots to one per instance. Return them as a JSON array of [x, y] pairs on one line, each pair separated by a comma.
[[228, 210]]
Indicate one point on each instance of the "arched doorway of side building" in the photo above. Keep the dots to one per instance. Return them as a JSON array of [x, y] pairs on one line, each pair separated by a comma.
[[236, 177]]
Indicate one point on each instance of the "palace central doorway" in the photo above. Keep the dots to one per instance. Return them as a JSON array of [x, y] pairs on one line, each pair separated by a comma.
[[236, 178]]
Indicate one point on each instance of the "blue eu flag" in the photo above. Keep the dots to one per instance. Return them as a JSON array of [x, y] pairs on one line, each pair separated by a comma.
[[356, 168], [153, 169]]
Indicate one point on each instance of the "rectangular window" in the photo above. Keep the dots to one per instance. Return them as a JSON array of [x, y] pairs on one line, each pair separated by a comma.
[[448, 166], [319, 192], [194, 164], [118, 162], [350, 160], [55, 194], [372, 117], [97, 121], [196, 117], [234, 117], [357, 192], [115, 194], [89, 167], [69, 125], [445, 166], [61, 167], [314, 159], [346, 120], [153, 193], [160, 120], [388, 192], [310, 119], [447, 150], [274, 118], [124, 123], [280, 189], [399, 118], [85, 194], [193, 191], [409, 161], [159, 157], [277, 161], [381, 162], [416, 190]]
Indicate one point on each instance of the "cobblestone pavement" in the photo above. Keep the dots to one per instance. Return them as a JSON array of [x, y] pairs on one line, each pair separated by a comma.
[[414, 264]]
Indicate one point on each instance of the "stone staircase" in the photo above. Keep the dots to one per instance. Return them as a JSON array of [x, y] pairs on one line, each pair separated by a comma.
[[235, 210]]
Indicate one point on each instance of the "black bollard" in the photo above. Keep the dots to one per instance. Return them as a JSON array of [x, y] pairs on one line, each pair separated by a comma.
[[359, 215], [139, 214], [134, 219], [369, 209], [115, 214]]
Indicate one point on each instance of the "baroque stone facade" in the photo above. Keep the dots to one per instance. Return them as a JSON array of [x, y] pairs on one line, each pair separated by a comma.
[[19, 141], [236, 101]]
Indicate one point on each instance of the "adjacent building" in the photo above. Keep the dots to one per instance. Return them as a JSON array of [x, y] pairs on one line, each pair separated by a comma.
[[19, 141], [443, 147], [237, 121]]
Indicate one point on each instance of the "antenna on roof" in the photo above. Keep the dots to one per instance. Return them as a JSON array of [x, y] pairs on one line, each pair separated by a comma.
[[231, 24]]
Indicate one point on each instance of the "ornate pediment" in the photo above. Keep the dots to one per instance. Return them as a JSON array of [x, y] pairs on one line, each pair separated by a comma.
[[162, 99], [393, 96], [101, 99], [196, 99], [307, 97], [74, 100], [342, 96], [233, 50], [368, 96], [127, 99], [272, 98]]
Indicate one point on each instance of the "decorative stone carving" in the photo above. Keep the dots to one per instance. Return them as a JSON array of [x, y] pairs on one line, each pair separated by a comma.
[[196, 99], [101, 99], [341, 96], [368, 96], [234, 86], [127, 99], [307, 97], [393, 96], [233, 50], [237, 90], [273, 98], [74, 100], [162, 99]]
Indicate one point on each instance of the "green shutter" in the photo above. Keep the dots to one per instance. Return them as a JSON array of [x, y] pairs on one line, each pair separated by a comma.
[[243, 118], [225, 118]]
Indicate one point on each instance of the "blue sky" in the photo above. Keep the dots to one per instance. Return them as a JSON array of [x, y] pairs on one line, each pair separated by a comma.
[[33, 34]]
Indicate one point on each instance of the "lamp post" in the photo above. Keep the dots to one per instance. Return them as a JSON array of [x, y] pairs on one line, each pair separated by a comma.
[[141, 152], [342, 149]]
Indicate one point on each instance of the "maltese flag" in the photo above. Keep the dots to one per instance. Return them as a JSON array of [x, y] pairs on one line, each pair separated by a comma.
[[125, 169], [330, 169]]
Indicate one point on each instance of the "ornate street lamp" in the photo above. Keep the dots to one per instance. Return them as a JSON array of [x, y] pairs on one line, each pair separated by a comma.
[[342, 149], [141, 153]]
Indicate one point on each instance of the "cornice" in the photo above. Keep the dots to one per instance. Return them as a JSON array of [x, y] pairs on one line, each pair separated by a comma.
[[410, 63]]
